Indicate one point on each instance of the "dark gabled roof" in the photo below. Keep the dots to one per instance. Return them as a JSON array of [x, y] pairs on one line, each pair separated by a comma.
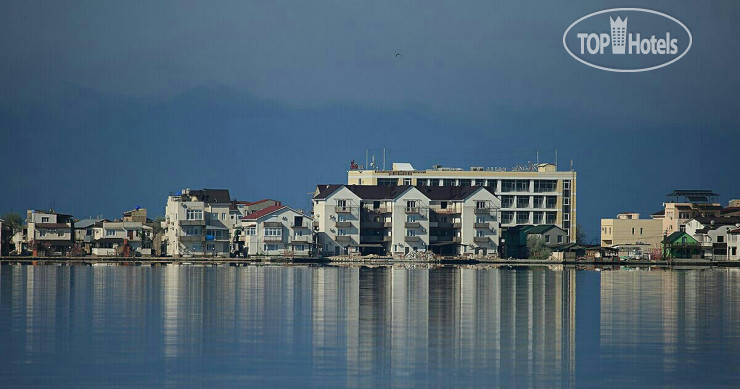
[[451, 192], [541, 229], [212, 195], [263, 212], [380, 192], [718, 221], [659, 213], [84, 223]]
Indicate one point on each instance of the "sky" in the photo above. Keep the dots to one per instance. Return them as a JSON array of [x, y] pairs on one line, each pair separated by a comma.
[[105, 106]]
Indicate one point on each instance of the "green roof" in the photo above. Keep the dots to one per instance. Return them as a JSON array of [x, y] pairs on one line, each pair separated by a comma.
[[541, 229], [672, 238]]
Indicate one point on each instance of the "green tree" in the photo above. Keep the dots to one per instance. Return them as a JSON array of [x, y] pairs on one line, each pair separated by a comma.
[[14, 220], [537, 248]]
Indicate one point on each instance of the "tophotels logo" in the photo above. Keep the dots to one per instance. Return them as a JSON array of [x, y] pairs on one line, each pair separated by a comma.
[[653, 40]]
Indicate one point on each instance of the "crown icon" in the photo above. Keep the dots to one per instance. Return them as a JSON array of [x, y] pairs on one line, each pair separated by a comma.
[[619, 34]]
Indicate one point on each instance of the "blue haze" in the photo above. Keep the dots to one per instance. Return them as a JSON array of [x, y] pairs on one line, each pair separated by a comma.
[[108, 105]]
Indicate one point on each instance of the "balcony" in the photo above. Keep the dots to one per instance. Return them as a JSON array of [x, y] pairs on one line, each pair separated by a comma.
[[411, 239], [300, 225], [343, 209], [481, 225], [456, 225], [413, 224], [481, 239], [273, 224], [343, 239], [443, 225], [374, 238], [483, 211], [343, 224], [380, 210], [192, 238], [200, 222], [412, 210], [446, 211], [302, 239], [369, 224], [273, 238]]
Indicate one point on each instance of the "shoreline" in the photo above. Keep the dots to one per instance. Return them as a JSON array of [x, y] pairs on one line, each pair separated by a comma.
[[204, 261]]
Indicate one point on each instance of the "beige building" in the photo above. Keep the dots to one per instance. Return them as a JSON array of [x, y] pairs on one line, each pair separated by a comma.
[[529, 195], [49, 233], [684, 205], [198, 223], [121, 238], [135, 215], [398, 220], [629, 230]]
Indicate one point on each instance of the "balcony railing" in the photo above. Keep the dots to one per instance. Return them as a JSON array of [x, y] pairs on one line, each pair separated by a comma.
[[374, 238], [412, 209], [456, 225], [481, 239], [273, 238], [481, 225], [413, 224], [446, 211], [343, 239], [343, 224], [380, 210], [273, 224], [369, 224], [411, 239], [343, 209], [302, 239], [483, 211]]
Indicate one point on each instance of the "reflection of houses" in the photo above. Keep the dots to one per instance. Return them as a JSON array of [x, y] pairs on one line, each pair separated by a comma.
[[398, 220], [197, 223], [49, 233], [276, 230]]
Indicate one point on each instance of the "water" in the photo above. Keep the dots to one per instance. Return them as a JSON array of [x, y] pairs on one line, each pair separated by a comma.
[[273, 326]]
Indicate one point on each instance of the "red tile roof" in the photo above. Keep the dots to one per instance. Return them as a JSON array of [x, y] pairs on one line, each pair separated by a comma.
[[256, 202], [263, 212]]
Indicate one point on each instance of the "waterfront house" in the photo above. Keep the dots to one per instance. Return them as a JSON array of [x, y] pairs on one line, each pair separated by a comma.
[[683, 205], [711, 233], [84, 233], [198, 223], [396, 221], [681, 245], [733, 244], [121, 238], [277, 230], [628, 230], [49, 232]]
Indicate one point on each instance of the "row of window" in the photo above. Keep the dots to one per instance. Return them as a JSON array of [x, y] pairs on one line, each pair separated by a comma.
[[509, 201], [538, 217], [197, 214], [539, 186]]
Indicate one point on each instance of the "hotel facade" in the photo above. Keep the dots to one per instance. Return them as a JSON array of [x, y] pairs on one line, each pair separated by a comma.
[[532, 195]]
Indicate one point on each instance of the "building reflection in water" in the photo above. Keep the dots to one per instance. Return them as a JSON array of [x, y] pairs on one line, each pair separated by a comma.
[[283, 325]]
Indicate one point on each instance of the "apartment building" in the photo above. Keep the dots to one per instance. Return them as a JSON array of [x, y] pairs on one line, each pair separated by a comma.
[[712, 234], [733, 245], [627, 229], [49, 233], [197, 223], [530, 195], [276, 230], [397, 220]]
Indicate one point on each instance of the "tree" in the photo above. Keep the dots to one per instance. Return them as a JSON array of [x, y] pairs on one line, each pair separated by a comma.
[[14, 220], [537, 248], [580, 234]]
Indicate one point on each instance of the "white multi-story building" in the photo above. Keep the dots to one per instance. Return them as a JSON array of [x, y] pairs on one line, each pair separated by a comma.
[[398, 220], [530, 195], [277, 230], [198, 223], [49, 233]]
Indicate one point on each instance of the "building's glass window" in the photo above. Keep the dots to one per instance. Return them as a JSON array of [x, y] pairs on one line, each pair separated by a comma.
[[465, 182], [522, 217], [537, 217], [522, 201], [522, 186], [551, 201], [387, 181], [44, 219], [448, 182], [194, 214], [110, 232], [507, 201], [273, 231], [251, 231], [550, 217], [192, 230], [507, 185], [434, 182], [507, 217], [545, 185], [560, 239]]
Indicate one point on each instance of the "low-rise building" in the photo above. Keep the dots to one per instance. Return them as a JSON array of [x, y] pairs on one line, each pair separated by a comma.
[[84, 234], [733, 244], [680, 245], [515, 238], [629, 231], [49, 233], [121, 238], [137, 215], [398, 220], [197, 223], [712, 234], [277, 230], [683, 205]]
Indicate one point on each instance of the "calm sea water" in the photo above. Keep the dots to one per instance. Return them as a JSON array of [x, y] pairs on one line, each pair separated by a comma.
[[285, 326]]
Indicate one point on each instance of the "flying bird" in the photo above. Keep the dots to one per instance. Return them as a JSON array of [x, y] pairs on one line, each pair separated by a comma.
[[399, 55]]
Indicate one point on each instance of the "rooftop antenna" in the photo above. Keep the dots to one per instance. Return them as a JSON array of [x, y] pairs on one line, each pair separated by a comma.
[[556, 159], [366, 154], [383, 158], [538, 157]]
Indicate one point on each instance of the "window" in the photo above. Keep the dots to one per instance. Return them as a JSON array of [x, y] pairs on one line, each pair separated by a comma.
[[42, 232], [443, 205], [110, 232], [273, 231], [507, 217], [480, 205], [522, 217], [507, 201], [410, 233], [538, 201], [547, 238], [537, 217], [720, 239], [44, 219], [341, 232], [633, 231], [566, 184], [522, 201], [640, 230], [210, 247], [421, 182], [480, 219], [407, 181], [376, 204], [410, 204], [551, 201], [434, 182], [545, 185], [192, 230], [251, 231], [223, 216], [550, 217], [194, 214], [507, 185], [88, 232], [60, 232], [214, 216], [522, 185], [560, 239], [465, 182], [341, 218], [387, 181], [479, 233], [410, 218], [448, 182]]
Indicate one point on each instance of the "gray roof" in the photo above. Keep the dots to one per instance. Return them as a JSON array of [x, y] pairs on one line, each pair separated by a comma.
[[220, 196], [84, 223]]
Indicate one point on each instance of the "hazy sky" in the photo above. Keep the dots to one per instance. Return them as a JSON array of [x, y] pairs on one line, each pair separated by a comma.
[[109, 105]]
